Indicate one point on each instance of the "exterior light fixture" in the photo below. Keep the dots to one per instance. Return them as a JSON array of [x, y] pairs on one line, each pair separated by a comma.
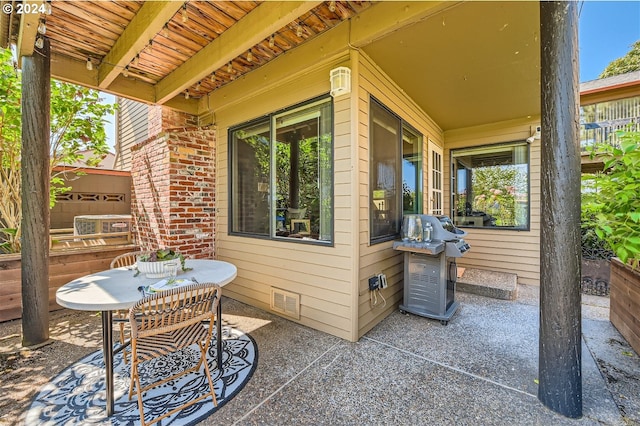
[[186, 94], [198, 87], [272, 41], [230, 67], [39, 42], [340, 81], [42, 28], [89, 64], [250, 56], [165, 31], [299, 30], [125, 71], [332, 6]]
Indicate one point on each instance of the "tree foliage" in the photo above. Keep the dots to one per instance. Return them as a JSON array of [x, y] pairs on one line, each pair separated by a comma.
[[628, 63], [611, 201], [78, 119]]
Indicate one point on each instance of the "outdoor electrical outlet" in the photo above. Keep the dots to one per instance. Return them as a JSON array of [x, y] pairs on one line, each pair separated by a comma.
[[373, 283], [382, 281]]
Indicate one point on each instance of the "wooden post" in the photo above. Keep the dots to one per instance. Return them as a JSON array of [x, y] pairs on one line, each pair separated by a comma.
[[36, 93], [560, 372]]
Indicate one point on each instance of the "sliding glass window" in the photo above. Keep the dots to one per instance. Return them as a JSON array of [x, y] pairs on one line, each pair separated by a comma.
[[290, 156]]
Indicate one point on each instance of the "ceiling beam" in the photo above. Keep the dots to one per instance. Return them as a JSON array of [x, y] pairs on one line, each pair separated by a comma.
[[74, 71], [27, 34], [149, 20], [256, 26], [5, 28]]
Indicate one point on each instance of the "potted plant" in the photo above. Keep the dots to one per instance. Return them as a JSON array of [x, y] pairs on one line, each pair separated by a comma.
[[154, 264], [611, 206]]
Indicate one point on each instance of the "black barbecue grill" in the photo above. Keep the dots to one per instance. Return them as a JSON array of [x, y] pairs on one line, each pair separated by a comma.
[[430, 270]]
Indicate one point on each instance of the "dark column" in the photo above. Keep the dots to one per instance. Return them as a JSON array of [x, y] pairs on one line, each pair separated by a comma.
[[36, 92], [560, 371], [294, 164]]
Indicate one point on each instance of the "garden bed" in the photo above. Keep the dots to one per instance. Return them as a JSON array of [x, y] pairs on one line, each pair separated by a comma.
[[63, 267], [625, 302]]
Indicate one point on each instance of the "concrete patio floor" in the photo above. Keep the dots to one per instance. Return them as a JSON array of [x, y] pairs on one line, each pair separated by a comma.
[[480, 369]]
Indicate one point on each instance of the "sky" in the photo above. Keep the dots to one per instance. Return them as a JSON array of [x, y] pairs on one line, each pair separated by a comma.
[[606, 31]]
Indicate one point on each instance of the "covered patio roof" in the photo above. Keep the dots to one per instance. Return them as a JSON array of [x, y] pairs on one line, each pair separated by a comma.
[[453, 58]]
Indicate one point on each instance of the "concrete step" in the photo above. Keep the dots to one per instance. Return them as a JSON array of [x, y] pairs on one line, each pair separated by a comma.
[[497, 285]]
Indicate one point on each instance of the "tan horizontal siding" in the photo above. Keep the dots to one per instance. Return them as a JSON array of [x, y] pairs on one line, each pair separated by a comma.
[[492, 249], [321, 275], [381, 258]]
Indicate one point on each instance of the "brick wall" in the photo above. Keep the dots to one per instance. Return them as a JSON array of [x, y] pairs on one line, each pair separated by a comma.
[[173, 194]]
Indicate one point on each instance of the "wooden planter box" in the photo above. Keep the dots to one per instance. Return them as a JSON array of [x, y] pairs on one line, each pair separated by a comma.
[[63, 267], [625, 302]]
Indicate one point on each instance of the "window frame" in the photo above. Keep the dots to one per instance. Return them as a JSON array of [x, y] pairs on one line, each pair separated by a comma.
[[402, 124], [453, 183], [269, 119]]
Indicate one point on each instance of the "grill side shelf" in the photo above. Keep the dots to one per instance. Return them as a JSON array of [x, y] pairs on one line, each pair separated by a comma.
[[429, 248]]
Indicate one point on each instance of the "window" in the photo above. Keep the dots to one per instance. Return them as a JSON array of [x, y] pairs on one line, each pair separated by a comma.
[[411, 170], [395, 159], [491, 186], [290, 155]]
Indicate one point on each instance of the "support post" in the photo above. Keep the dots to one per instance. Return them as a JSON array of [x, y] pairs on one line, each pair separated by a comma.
[[560, 356], [36, 94]]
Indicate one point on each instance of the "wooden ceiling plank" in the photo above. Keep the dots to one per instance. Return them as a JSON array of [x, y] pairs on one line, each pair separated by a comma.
[[249, 31], [83, 12], [143, 27], [27, 34], [235, 10]]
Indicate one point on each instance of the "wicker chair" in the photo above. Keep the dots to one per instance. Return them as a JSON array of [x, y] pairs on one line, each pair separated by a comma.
[[166, 322], [121, 317], [127, 259]]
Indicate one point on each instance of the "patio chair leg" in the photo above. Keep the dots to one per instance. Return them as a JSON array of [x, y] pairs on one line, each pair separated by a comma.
[[122, 342]]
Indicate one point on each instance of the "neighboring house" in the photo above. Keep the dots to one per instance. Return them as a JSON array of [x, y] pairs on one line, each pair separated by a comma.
[[606, 106]]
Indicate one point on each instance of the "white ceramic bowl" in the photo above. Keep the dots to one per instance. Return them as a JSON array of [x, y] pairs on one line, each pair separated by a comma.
[[157, 269]]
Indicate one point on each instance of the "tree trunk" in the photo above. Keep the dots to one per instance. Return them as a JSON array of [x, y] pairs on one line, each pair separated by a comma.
[[36, 92], [560, 355]]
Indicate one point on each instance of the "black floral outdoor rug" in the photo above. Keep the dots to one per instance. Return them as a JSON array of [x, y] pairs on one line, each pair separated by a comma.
[[77, 395]]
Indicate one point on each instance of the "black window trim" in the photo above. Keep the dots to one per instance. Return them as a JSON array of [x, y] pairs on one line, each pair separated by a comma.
[[403, 122], [269, 118], [492, 145]]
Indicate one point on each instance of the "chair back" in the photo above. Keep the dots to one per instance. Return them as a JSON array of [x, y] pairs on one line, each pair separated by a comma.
[[173, 311], [127, 259]]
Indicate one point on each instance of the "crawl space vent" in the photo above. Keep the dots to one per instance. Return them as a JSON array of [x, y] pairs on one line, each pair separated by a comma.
[[285, 302]]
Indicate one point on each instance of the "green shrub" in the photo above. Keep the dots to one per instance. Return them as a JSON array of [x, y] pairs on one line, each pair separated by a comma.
[[611, 203]]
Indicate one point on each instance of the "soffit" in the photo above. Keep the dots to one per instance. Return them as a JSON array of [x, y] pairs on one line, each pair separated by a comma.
[[473, 63]]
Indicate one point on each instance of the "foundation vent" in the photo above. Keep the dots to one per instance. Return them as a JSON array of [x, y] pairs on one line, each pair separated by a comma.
[[285, 302]]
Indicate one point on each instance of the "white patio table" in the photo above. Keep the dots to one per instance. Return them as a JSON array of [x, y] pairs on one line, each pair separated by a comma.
[[118, 288]]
